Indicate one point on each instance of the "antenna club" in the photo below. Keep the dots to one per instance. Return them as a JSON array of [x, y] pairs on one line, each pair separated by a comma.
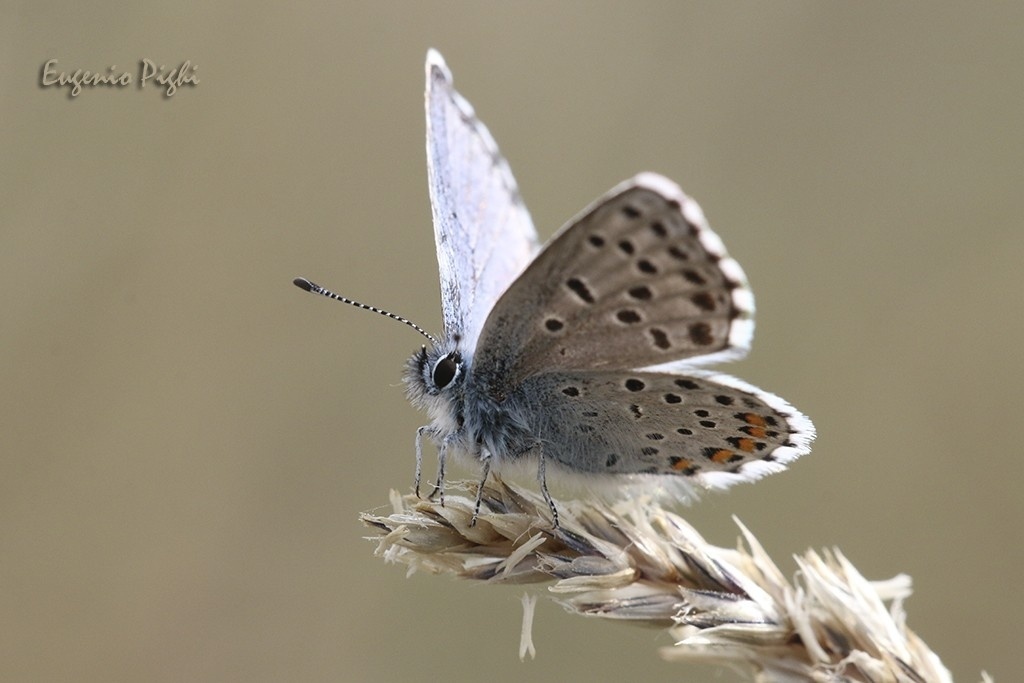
[[303, 283]]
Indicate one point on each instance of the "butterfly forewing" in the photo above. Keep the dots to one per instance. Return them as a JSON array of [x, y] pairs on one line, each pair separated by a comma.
[[482, 230], [637, 280], [711, 428]]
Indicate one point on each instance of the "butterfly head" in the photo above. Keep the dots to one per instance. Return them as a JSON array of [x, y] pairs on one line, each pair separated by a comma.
[[436, 371], [434, 380]]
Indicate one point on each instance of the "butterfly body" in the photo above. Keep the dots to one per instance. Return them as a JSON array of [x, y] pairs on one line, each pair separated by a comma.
[[585, 354]]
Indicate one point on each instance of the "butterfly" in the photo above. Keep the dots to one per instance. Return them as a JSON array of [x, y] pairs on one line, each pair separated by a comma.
[[585, 355]]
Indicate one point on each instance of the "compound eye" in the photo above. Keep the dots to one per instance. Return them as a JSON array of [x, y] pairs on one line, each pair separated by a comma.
[[445, 370]]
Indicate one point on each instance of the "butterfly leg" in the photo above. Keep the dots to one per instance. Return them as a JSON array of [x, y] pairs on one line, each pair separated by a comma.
[[419, 455], [442, 452], [442, 448], [544, 485], [480, 491]]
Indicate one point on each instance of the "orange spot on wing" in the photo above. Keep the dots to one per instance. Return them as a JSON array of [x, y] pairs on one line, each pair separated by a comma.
[[746, 445], [754, 419], [756, 432], [721, 455], [681, 464]]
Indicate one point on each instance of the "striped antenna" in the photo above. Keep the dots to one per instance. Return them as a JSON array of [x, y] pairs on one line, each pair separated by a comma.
[[303, 283]]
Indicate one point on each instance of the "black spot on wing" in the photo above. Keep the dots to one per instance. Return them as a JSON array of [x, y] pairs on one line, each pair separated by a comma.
[[580, 289]]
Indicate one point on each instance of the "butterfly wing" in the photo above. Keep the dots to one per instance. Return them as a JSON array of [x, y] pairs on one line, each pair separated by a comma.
[[637, 280], [708, 429], [482, 230]]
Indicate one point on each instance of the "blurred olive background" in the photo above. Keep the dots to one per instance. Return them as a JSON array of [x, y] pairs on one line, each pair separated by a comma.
[[187, 439]]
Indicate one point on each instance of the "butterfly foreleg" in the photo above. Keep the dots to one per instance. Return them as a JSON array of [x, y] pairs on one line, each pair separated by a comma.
[[425, 429], [442, 459], [430, 431]]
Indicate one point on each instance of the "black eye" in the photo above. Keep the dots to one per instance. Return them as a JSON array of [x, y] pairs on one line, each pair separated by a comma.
[[444, 371]]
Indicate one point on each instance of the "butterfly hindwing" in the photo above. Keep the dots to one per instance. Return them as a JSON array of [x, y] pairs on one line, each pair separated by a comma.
[[711, 428], [637, 280], [482, 230]]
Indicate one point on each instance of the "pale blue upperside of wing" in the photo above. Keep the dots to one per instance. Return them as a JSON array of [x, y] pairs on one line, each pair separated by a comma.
[[482, 230]]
